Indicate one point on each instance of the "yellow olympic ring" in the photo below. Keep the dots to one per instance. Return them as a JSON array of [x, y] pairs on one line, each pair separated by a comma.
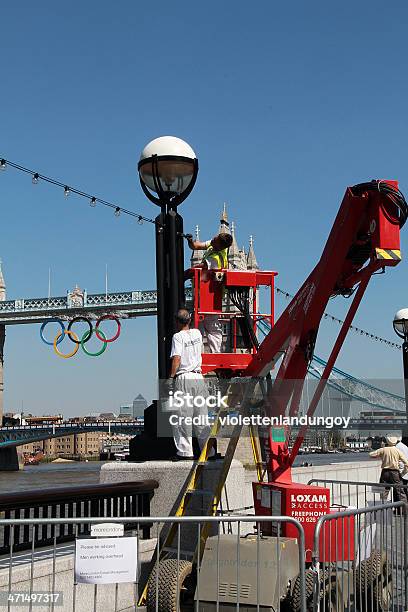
[[72, 335]]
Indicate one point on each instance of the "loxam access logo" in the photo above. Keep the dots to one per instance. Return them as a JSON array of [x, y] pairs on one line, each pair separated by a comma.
[[309, 500]]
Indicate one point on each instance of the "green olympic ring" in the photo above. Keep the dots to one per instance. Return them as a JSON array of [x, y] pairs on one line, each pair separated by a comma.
[[87, 336]]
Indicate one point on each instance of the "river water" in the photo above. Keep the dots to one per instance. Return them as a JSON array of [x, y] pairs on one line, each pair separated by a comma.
[[52, 475]]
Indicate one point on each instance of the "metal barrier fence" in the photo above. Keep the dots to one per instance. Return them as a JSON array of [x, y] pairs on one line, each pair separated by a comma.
[[226, 570], [360, 561], [357, 494]]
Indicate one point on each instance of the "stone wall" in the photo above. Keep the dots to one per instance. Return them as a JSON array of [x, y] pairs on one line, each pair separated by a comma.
[[238, 491]]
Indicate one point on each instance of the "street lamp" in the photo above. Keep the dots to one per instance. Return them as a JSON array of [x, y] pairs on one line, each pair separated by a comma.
[[400, 324], [168, 167]]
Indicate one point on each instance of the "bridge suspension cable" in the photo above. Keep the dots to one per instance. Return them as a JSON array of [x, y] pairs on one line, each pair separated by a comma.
[[350, 386], [353, 328]]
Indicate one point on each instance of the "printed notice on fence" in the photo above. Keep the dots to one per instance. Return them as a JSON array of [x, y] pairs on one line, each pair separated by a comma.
[[106, 560]]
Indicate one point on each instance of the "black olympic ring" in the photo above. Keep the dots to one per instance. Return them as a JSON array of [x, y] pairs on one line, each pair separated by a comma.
[[89, 333]]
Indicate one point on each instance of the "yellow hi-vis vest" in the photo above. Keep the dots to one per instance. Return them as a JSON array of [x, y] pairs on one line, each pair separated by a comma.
[[219, 257]]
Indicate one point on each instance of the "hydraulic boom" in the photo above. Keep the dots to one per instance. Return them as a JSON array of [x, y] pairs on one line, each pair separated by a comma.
[[365, 239]]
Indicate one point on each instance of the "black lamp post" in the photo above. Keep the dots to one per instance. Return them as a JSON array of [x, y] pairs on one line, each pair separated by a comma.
[[400, 324], [168, 169]]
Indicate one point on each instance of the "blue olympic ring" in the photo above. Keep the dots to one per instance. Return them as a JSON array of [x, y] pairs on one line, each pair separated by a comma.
[[54, 320]]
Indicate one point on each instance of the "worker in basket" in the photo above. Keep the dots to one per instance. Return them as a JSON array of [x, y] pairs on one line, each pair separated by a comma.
[[215, 258]]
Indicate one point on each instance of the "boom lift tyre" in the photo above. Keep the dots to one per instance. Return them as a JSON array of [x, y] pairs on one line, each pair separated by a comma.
[[374, 583], [173, 575], [327, 588]]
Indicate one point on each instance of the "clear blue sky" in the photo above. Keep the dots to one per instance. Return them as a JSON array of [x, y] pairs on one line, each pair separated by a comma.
[[285, 105]]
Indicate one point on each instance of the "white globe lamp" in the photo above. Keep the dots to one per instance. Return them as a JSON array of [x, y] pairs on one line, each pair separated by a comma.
[[168, 169]]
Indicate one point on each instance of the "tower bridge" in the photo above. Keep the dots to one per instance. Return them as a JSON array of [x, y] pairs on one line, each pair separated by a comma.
[[123, 304]]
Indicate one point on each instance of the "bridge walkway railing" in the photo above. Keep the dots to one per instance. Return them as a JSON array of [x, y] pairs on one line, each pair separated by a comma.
[[127, 499]]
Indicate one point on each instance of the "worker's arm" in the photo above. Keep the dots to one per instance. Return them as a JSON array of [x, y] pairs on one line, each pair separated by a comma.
[[376, 453], [175, 362], [197, 245]]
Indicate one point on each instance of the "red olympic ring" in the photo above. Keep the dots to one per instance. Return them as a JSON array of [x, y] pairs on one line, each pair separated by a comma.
[[112, 318]]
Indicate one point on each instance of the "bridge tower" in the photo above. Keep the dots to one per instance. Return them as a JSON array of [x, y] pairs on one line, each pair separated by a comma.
[[2, 340], [8, 457]]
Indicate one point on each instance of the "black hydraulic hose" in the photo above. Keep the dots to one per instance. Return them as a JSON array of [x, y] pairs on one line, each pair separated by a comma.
[[391, 193], [240, 299]]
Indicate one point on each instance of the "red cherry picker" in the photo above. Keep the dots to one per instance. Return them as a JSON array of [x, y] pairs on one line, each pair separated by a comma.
[[364, 240]]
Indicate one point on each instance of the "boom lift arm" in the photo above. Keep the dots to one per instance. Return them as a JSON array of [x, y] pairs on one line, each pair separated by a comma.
[[365, 238]]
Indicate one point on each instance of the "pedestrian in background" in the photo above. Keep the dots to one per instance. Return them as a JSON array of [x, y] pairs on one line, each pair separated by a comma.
[[391, 457], [403, 447]]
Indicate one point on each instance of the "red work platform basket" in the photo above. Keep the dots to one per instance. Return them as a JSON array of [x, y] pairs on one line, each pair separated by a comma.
[[210, 287]]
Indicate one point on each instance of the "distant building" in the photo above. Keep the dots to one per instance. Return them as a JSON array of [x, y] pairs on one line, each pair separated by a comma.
[[114, 443], [139, 406], [107, 416], [126, 410], [134, 410], [237, 258], [80, 444], [44, 420]]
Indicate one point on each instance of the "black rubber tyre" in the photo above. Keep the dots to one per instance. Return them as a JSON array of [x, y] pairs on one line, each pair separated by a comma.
[[325, 592], [172, 578], [374, 583]]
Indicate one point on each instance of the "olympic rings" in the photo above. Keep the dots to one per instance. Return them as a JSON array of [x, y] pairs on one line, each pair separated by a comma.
[[74, 320], [80, 342], [54, 320], [87, 336], [68, 333], [104, 318]]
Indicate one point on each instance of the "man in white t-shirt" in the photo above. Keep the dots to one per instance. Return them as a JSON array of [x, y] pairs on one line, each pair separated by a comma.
[[186, 349]]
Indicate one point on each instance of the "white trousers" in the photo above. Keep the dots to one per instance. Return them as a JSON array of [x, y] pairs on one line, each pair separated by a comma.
[[213, 330], [193, 384]]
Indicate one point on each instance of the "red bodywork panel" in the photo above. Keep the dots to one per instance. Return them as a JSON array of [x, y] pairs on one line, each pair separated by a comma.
[[235, 362], [306, 504], [386, 233]]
